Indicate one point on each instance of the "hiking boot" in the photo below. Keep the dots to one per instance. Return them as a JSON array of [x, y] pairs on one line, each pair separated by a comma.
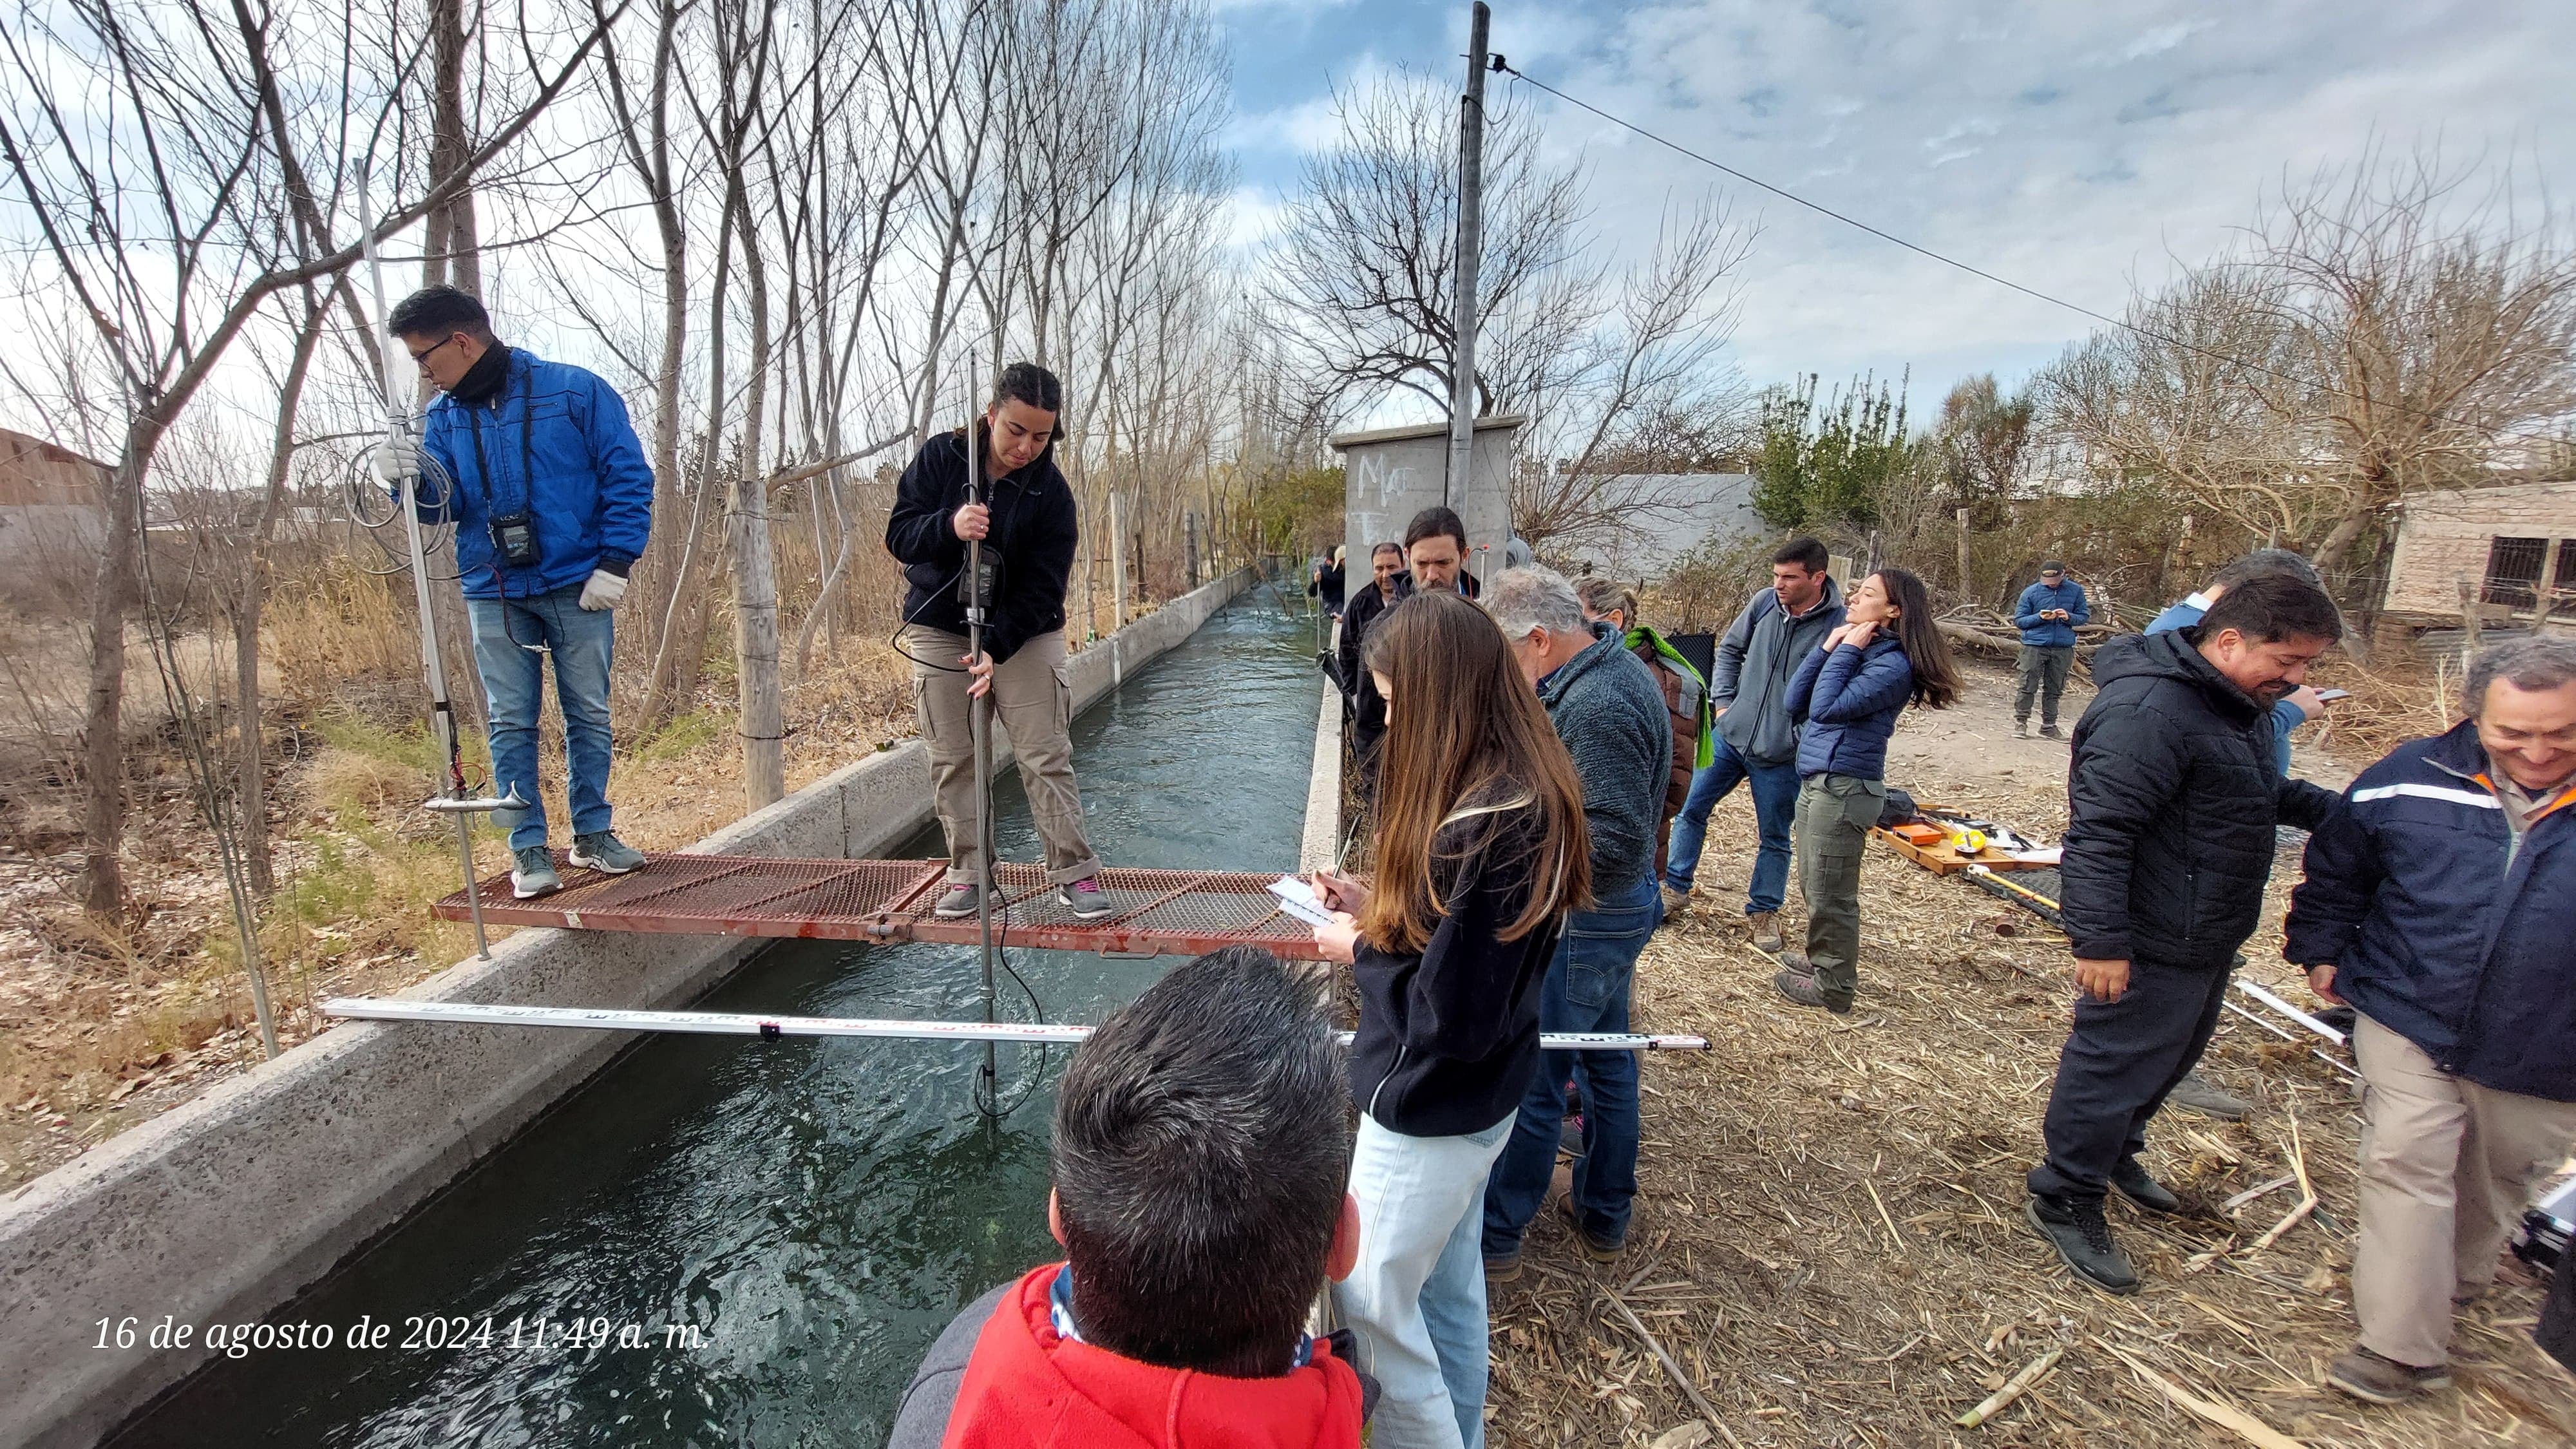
[[2021, 729], [2135, 1185], [1085, 899], [532, 873], [1676, 904], [1765, 926], [2083, 1240], [1594, 1246], [1502, 1267], [2051, 732], [1796, 980], [2375, 1380], [2195, 1092], [604, 852], [957, 900], [1569, 1135]]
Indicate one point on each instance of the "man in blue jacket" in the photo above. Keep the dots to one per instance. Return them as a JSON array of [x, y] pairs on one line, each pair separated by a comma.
[[553, 502], [1757, 741], [2439, 902], [2047, 615], [1606, 706]]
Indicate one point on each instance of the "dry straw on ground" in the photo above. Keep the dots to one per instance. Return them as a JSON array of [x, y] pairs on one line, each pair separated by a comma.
[[1829, 1244]]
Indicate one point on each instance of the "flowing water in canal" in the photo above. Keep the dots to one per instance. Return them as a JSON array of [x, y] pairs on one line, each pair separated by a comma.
[[815, 1210]]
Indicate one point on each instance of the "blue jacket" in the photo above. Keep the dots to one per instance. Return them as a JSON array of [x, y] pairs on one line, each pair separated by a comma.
[[1846, 701], [555, 443], [2437, 928], [2042, 633], [2285, 715]]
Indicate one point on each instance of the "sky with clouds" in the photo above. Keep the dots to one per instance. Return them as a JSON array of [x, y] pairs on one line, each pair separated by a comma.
[[2069, 146]]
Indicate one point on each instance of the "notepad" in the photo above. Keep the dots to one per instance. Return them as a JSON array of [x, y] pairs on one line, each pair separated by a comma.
[[1299, 899]]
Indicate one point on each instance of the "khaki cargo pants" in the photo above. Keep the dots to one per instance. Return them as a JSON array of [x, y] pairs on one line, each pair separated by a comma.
[[2447, 1167], [1835, 813], [1034, 706]]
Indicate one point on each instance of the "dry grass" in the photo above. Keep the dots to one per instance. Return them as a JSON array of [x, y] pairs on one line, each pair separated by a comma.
[[1829, 1241]]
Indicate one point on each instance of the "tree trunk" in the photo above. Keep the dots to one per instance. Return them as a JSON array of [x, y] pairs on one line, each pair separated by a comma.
[[103, 742], [755, 576], [251, 771], [450, 252]]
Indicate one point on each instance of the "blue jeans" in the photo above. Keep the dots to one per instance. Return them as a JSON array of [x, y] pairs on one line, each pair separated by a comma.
[[1586, 990], [1775, 810], [505, 635], [1416, 1298]]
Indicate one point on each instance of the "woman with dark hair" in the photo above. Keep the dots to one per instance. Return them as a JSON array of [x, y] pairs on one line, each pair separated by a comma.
[[1480, 852], [1845, 697]]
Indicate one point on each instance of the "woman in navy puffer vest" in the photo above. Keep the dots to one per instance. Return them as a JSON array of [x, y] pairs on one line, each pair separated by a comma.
[[1845, 697]]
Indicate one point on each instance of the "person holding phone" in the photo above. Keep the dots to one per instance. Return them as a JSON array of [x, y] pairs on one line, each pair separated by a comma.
[[2046, 614]]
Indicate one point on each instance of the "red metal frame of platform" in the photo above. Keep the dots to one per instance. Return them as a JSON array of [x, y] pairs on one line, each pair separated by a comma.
[[1160, 912]]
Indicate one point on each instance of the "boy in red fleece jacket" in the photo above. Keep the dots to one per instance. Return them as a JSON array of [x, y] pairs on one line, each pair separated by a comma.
[[1199, 1162]]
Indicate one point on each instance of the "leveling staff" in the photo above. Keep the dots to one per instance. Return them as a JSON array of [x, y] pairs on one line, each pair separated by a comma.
[[1024, 515]]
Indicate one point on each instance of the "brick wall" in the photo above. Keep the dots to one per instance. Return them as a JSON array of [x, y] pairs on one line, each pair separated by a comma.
[[2445, 538]]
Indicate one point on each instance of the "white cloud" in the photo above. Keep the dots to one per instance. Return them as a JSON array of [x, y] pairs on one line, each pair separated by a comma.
[[2066, 147]]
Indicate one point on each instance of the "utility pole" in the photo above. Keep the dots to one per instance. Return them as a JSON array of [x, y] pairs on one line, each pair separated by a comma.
[[1471, 245]]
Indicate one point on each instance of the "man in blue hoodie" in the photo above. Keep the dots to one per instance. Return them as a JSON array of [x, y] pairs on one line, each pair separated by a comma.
[[553, 502], [2047, 615]]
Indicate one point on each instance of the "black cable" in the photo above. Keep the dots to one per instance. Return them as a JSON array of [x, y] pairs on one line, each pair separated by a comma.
[[1979, 272]]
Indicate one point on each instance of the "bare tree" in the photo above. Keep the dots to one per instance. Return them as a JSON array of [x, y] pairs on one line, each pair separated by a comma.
[[1611, 367], [159, 225], [2381, 332]]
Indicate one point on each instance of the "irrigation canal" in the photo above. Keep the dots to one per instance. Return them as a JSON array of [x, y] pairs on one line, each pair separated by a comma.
[[782, 1225]]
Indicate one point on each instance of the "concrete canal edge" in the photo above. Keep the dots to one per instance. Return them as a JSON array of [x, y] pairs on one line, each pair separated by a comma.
[[226, 1207]]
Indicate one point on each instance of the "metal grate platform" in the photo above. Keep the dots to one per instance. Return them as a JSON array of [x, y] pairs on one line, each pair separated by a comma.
[[1160, 912]]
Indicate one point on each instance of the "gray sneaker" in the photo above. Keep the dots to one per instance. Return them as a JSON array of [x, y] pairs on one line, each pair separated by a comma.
[[2196, 1093], [604, 852], [532, 873], [956, 901], [1086, 899]]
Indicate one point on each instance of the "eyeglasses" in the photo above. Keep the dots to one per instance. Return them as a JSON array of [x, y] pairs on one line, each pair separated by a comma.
[[420, 359]]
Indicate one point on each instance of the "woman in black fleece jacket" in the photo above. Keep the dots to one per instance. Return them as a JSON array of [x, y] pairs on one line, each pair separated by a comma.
[[1480, 852]]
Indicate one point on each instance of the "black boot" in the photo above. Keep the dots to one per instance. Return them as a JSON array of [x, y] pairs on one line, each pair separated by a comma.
[[2135, 1185], [2083, 1239]]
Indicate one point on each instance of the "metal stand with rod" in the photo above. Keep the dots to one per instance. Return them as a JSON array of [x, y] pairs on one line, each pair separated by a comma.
[[988, 1096], [442, 713], [728, 1023]]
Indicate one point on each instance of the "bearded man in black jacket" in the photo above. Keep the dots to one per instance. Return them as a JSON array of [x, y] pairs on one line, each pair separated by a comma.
[[1024, 515], [2172, 806]]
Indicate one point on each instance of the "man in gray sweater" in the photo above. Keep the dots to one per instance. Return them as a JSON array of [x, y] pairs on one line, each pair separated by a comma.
[[1608, 709], [1757, 742]]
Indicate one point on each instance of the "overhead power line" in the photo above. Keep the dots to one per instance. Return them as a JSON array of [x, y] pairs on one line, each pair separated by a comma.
[[1500, 64]]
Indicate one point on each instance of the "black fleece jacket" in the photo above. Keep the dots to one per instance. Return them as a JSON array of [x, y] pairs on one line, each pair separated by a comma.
[[1448, 1039], [1034, 530], [2172, 802]]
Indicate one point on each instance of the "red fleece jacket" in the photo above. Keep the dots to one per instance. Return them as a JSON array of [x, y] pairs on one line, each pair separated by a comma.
[[1028, 1388]]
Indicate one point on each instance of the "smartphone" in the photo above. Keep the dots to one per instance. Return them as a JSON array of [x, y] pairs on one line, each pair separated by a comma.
[[2329, 696]]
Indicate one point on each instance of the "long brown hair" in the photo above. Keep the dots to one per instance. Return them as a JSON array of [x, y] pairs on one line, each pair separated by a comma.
[[1936, 677], [1466, 738]]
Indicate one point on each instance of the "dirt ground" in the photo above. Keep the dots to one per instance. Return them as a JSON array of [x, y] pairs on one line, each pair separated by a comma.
[[1829, 1242]]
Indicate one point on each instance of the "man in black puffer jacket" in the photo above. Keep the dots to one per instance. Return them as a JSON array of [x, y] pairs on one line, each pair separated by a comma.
[[2172, 806]]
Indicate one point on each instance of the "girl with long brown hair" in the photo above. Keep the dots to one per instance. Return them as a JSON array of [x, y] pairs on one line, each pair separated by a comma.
[[1480, 852], [1845, 697]]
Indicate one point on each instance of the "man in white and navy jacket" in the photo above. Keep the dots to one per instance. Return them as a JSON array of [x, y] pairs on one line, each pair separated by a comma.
[[2440, 902]]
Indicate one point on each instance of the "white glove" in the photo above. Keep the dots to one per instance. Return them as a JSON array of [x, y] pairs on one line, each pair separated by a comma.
[[603, 591], [398, 459]]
